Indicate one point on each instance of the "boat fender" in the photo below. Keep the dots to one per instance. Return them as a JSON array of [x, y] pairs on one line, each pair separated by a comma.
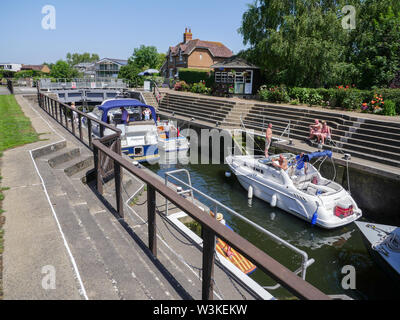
[[250, 194], [274, 200], [228, 174], [314, 218]]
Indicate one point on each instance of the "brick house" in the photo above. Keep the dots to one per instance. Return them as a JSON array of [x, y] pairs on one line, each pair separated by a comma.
[[41, 67], [193, 53]]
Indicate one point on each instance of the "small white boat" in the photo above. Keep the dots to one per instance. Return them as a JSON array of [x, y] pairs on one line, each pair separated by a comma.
[[139, 138], [383, 243], [169, 138], [300, 190]]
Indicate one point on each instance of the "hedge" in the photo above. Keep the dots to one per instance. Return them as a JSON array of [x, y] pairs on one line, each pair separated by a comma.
[[191, 76], [342, 97]]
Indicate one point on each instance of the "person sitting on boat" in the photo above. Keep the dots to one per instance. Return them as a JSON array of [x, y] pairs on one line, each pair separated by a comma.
[[268, 139], [315, 129], [324, 134], [125, 116], [147, 114], [283, 163]]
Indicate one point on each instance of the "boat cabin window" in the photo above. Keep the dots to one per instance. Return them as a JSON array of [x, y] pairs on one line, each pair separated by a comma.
[[114, 116], [259, 170]]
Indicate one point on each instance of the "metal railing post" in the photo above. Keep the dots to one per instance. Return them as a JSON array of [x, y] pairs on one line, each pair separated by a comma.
[[118, 181], [72, 122], [60, 112], [151, 213], [97, 154], [208, 263], [80, 127], [89, 123]]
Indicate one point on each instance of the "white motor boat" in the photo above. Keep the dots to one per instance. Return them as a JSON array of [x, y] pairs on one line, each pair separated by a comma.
[[169, 138], [139, 139], [383, 243], [300, 190]]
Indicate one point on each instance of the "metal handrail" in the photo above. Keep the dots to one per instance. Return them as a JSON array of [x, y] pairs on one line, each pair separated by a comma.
[[211, 228], [305, 261]]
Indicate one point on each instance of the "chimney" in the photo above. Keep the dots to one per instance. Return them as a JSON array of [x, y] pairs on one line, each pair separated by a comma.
[[187, 36]]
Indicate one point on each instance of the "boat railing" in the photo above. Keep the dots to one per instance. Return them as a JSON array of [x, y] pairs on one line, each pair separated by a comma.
[[306, 262]]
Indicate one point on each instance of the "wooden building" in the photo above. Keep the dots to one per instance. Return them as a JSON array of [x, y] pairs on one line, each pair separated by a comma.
[[236, 76]]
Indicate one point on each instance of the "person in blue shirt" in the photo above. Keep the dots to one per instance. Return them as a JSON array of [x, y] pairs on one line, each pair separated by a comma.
[[125, 115]]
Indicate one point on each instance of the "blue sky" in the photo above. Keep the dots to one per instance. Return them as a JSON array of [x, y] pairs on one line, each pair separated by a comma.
[[113, 28]]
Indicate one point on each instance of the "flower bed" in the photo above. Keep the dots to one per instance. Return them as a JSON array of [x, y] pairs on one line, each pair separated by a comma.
[[346, 97]]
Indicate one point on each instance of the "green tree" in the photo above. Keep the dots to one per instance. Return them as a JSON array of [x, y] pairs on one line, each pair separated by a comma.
[[144, 57], [75, 58], [375, 47], [62, 70], [297, 42], [302, 42]]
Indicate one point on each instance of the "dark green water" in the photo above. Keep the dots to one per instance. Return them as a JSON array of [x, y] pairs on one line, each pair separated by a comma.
[[331, 249]]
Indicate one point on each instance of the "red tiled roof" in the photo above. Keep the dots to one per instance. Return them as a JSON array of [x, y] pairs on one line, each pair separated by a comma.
[[217, 49], [31, 67]]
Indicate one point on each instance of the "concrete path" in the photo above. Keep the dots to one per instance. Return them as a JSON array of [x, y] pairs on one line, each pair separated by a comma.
[[32, 237]]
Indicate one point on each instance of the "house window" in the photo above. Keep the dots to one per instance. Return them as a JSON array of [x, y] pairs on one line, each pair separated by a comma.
[[180, 55], [224, 77], [171, 73], [170, 57], [239, 77]]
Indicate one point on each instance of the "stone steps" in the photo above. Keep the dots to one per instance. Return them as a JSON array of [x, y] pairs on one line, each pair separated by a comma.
[[91, 234], [111, 254]]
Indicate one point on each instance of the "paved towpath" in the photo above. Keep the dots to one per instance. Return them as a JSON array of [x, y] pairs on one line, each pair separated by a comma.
[[32, 238]]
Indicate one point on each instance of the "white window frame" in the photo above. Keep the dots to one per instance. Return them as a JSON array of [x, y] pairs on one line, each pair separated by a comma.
[[218, 77]]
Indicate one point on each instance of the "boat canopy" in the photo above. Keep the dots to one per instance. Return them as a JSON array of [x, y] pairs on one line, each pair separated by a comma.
[[310, 156], [118, 103]]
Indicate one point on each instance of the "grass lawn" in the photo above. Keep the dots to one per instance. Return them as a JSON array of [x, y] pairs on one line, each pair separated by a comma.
[[15, 130]]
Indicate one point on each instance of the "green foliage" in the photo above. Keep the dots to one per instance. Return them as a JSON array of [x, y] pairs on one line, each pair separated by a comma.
[[62, 70], [343, 97], [76, 58], [274, 94], [195, 227], [389, 108], [302, 42], [200, 87], [15, 127], [191, 76], [29, 74], [377, 43], [314, 98], [143, 58], [181, 86], [147, 57]]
